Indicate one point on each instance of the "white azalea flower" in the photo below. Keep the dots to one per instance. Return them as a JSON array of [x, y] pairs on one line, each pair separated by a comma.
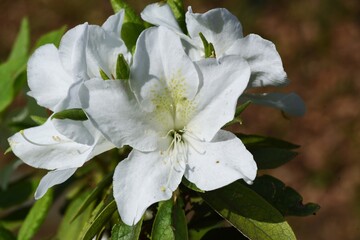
[[54, 78], [172, 121], [224, 31]]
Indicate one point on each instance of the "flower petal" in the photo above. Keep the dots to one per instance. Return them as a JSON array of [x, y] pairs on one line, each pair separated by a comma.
[[223, 82], [290, 103], [226, 160], [160, 14], [48, 81], [114, 23], [219, 27], [116, 115], [141, 180], [44, 147], [160, 61], [53, 178], [78, 131], [265, 62]]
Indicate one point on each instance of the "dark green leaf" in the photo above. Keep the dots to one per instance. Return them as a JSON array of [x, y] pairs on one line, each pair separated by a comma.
[[100, 220], [261, 141], [191, 185], [70, 229], [179, 222], [249, 212], [95, 193], [35, 217], [223, 233], [17, 193], [177, 6], [53, 37], [285, 199], [122, 231], [76, 114], [269, 158], [122, 68], [7, 171], [162, 227], [6, 234], [238, 112]]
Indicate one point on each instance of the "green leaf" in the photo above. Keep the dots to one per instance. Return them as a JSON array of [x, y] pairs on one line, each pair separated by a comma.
[[100, 220], [162, 227], [261, 141], [36, 217], [15, 65], [122, 68], [285, 199], [7, 171], [76, 114], [208, 47], [177, 6], [17, 193], [249, 212], [38, 120], [238, 112], [70, 229], [179, 222], [121, 231], [191, 185], [53, 37], [6, 234], [133, 25], [103, 75], [95, 193]]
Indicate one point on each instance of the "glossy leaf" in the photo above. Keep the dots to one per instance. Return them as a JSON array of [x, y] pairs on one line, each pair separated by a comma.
[[53, 37], [74, 114], [100, 220], [162, 227], [249, 212], [36, 217], [177, 6], [179, 222], [285, 199], [121, 231]]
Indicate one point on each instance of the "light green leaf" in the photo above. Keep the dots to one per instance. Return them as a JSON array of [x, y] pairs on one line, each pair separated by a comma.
[[285, 199], [94, 227], [15, 65], [74, 114], [36, 217], [53, 37], [133, 25], [208, 47], [249, 212], [122, 68], [70, 229], [103, 75], [238, 112], [121, 231], [191, 185], [177, 6], [162, 227], [38, 120], [5, 234]]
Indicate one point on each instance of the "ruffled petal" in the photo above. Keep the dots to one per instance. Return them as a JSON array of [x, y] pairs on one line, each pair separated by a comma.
[[265, 62], [225, 160], [116, 115], [48, 81], [219, 27], [141, 180], [114, 23], [160, 63], [160, 14], [223, 82], [290, 103], [51, 179]]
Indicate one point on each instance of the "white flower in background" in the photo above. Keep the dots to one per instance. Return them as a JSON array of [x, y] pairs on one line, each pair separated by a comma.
[[54, 78], [173, 121], [224, 31]]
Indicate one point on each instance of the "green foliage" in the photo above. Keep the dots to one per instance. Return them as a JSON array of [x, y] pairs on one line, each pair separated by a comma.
[[249, 212], [76, 114], [17, 192], [122, 68], [285, 199], [35, 217], [6, 172], [177, 6], [122, 231], [52, 37], [208, 47], [191, 185], [5, 234]]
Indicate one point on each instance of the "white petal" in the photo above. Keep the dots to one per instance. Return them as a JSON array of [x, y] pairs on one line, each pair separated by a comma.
[[78, 131], [223, 82], [48, 81], [102, 51], [114, 23], [116, 116], [226, 160], [160, 58], [44, 147], [72, 51], [290, 103], [160, 14], [53, 178], [141, 180], [219, 27], [264, 60]]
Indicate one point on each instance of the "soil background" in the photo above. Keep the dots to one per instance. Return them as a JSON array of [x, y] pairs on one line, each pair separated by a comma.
[[319, 42]]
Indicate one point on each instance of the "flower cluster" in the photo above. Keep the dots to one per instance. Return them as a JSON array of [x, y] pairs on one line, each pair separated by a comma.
[[168, 101]]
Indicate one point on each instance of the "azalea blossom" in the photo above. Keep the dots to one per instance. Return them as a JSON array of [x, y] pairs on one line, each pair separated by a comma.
[[224, 31], [54, 78], [172, 117]]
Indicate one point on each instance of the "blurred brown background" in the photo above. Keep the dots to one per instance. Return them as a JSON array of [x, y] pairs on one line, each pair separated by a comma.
[[319, 41]]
